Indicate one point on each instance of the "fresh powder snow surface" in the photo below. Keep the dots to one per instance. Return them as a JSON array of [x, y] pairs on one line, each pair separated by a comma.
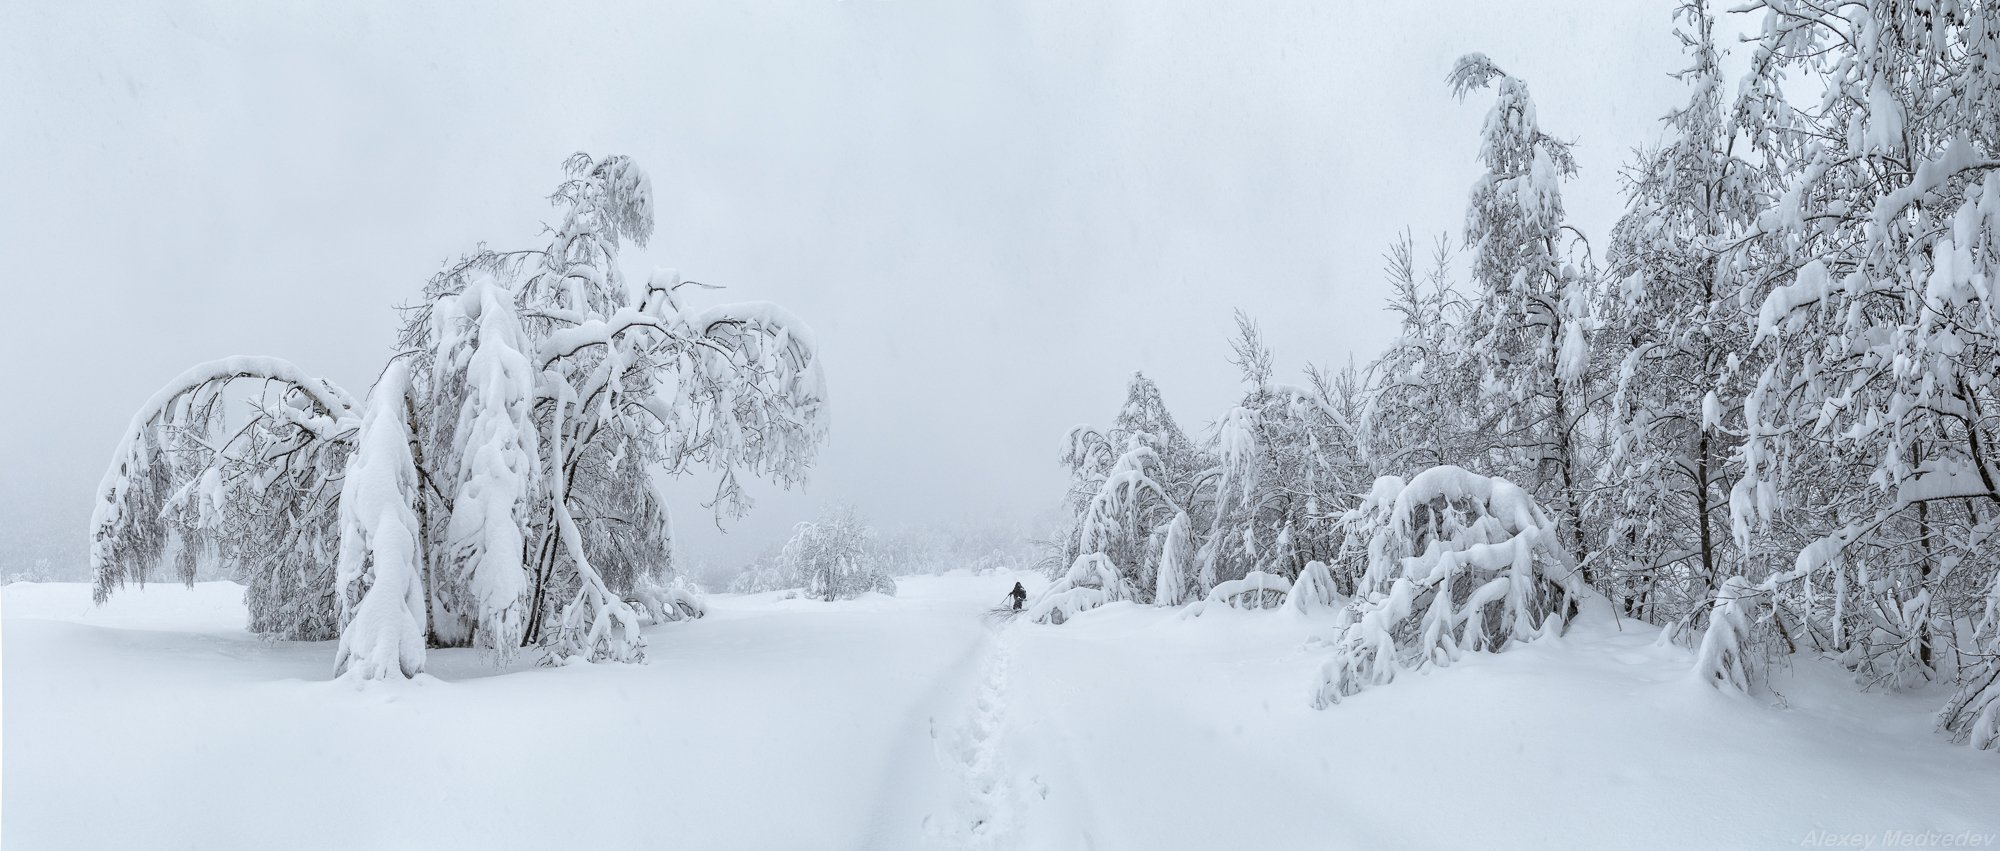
[[913, 722]]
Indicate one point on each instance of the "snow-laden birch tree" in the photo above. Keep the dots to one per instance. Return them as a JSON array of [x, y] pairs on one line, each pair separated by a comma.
[[1419, 397], [1527, 334], [1676, 313], [536, 399], [1878, 407]]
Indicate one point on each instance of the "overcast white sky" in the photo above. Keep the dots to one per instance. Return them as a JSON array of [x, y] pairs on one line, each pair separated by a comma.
[[990, 212]]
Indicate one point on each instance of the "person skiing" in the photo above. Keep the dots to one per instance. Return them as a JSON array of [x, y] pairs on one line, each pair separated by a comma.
[[1019, 594]]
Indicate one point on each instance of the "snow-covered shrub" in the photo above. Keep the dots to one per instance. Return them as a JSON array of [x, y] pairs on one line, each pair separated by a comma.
[[1725, 657], [764, 575], [1091, 581], [1255, 590], [538, 393], [1973, 714], [1456, 562], [1315, 592], [666, 602], [1176, 562]]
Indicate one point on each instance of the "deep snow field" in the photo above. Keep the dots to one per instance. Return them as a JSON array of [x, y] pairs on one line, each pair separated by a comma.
[[910, 722]]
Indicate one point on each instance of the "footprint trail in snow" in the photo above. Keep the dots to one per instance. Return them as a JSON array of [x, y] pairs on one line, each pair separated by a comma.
[[989, 807]]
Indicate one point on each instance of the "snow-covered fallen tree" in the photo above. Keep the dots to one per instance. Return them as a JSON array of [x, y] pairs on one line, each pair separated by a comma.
[[1092, 581], [1456, 562], [500, 490]]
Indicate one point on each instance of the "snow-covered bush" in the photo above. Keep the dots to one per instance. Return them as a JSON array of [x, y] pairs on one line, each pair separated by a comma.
[[1255, 590], [767, 573], [1315, 593], [1456, 562], [499, 489], [665, 602], [833, 557], [1091, 581], [1725, 657]]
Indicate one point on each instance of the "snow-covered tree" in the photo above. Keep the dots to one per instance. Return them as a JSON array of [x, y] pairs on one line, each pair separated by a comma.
[[1456, 562], [1679, 261], [1129, 483], [1875, 411], [1419, 399], [544, 397], [833, 557], [260, 492], [1090, 582], [1288, 464], [1527, 333], [1261, 495], [380, 575]]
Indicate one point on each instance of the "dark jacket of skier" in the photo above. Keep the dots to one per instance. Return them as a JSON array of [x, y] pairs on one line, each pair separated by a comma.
[[1019, 594]]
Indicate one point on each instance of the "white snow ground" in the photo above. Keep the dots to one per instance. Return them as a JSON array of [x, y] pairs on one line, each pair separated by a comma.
[[882, 723]]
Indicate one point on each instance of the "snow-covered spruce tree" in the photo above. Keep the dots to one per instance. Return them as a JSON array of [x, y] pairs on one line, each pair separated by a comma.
[[1679, 259], [1527, 332], [1456, 562], [543, 397], [833, 557], [1877, 409]]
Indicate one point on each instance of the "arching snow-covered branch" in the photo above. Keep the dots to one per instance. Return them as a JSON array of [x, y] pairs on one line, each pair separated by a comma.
[[181, 445]]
